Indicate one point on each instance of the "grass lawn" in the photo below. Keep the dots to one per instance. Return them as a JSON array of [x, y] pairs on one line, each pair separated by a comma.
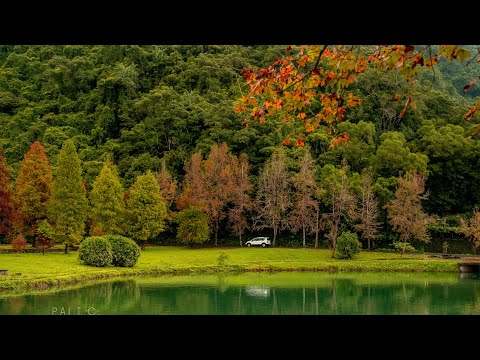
[[40, 271]]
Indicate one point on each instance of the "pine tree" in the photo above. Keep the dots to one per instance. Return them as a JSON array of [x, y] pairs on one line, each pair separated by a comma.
[[106, 200], [6, 192], [32, 190], [68, 211], [146, 209]]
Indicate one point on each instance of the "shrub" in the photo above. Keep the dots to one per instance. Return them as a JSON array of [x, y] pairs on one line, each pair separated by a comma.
[[348, 245], [95, 251], [222, 258], [19, 243], [125, 251]]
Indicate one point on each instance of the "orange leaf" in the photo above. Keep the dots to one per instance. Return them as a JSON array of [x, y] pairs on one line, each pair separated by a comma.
[[286, 142], [469, 85], [302, 116], [300, 143]]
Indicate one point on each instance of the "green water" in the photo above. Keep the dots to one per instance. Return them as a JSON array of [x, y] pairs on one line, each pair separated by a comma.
[[286, 293]]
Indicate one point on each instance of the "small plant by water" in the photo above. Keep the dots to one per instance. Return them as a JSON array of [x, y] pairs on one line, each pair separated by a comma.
[[222, 258]]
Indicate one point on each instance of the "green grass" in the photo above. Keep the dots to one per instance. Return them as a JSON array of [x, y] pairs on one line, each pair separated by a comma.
[[40, 271]]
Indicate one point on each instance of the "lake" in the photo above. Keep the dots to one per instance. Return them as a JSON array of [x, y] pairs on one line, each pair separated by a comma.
[[280, 293]]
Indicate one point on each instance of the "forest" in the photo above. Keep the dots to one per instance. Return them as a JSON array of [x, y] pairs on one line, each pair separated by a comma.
[[157, 137]]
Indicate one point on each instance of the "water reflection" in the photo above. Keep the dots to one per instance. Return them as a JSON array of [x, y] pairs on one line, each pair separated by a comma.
[[275, 294]]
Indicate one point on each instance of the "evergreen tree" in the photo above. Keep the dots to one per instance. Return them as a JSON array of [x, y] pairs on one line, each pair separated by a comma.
[[68, 211], [146, 210], [106, 200], [33, 190], [192, 226]]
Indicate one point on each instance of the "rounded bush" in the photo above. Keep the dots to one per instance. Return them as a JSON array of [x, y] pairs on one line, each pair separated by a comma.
[[95, 251], [125, 251], [348, 245]]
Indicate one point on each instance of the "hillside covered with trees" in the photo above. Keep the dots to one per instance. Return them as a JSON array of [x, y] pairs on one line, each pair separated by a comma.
[[157, 128]]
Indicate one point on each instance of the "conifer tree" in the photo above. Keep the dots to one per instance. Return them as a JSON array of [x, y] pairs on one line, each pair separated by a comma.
[[32, 190], [68, 210], [106, 200], [146, 209]]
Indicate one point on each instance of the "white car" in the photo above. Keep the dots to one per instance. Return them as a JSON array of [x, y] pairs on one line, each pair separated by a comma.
[[262, 241]]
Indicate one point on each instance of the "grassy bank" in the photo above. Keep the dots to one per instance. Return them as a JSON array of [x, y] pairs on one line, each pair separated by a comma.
[[40, 271]]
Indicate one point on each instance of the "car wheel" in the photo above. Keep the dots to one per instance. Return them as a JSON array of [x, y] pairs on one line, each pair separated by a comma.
[[263, 245], [248, 245]]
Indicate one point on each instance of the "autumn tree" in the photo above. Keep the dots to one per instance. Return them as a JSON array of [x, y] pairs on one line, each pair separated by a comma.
[[273, 195], [106, 200], [471, 229], [193, 191], [32, 190], [68, 207], [303, 214], [339, 201], [192, 226], [168, 188], [145, 209], [405, 210], [6, 192], [210, 184], [241, 197], [306, 90], [368, 210]]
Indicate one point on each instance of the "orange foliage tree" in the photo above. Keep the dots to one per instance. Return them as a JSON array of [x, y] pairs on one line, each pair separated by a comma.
[[241, 197], [168, 187], [6, 208], [210, 184], [303, 214], [405, 211], [33, 189], [471, 229], [307, 88]]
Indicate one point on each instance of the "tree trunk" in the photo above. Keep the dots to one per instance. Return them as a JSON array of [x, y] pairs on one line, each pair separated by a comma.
[[240, 238], [66, 248], [316, 228], [43, 250], [143, 245], [274, 234], [304, 235], [368, 244], [216, 231]]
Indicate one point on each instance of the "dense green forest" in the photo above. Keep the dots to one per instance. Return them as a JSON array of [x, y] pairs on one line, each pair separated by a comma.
[[144, 106]]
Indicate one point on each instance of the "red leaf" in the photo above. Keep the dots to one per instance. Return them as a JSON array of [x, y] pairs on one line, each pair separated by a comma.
[[469, 85], [409, 49], [288, 48]]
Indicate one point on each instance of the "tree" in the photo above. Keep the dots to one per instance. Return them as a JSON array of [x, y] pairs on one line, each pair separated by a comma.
[[393, 156], [45, 235], [192, 226], [471, 229], [106, 200], [146, 210], [6, 192], [339, 199], [241, 199], [168, 188], [210, 184], [69, 204], [405, 211], [273, 196], [307, 87], [32, 190], [303, 214], [368, 210]]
